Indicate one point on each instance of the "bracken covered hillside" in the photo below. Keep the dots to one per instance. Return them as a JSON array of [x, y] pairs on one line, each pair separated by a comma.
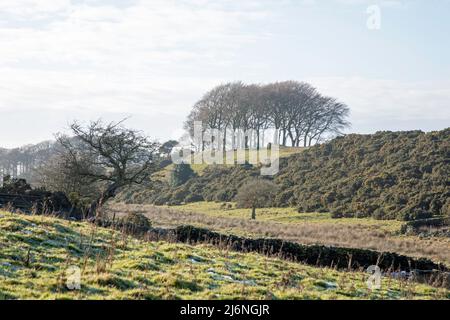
[[401, 175], [216, 183], [387, 175]]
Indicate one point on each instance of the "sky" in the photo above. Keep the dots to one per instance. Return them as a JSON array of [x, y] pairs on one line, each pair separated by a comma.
[[151, 60]]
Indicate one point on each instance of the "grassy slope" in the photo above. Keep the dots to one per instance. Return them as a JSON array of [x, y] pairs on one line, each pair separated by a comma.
[[396, 175], [35, 252], [199, 168]]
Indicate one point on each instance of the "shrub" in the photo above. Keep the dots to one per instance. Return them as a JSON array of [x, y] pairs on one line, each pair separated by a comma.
[[180, 174], [256, 193], [135, 222], [193, 198], [445, 210]]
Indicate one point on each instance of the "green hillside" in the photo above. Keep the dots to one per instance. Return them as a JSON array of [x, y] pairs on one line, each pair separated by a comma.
[[387, 175], [284, 152]]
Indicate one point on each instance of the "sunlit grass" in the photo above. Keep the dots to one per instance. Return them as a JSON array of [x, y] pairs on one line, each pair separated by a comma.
[[284, 215], [199, 166], [35, 252]]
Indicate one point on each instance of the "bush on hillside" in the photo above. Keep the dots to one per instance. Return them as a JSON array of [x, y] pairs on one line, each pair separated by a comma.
[[135, 222], [180, 174]]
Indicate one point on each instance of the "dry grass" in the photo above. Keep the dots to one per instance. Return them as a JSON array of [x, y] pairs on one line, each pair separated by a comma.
[[355, 235]]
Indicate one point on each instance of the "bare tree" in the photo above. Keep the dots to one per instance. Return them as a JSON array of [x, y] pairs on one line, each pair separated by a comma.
[[21, 162], [58, 175], [233, 110], [210, 110], [259, 113], [110, 154], [275, 98], [324, 116], [301, 96]]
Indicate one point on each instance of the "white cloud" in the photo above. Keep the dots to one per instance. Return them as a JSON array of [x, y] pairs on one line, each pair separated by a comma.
[[154, 58], [151, 58], [32, 9], [378, 104], [111, 57]]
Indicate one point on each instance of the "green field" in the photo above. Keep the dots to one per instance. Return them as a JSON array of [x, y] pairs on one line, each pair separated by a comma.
[[35, 252], [285, 215]]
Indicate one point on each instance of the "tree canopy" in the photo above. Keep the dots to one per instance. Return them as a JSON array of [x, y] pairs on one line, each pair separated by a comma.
[[298, 113], [256, 193]]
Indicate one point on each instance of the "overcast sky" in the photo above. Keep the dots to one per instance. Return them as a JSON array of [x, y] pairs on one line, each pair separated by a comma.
[[152, 59]]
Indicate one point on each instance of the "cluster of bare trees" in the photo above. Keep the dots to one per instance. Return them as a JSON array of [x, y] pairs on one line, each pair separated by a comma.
[[295, 112], [19, 162]]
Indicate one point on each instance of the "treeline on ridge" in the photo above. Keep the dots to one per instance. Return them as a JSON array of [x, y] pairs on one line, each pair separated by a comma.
[[296, 110]]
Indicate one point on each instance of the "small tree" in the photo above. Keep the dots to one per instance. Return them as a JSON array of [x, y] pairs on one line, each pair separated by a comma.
[[167, 147], [14, 185], [257, 193], [180, 174], [446, 208], [57, 174], [109, 154]]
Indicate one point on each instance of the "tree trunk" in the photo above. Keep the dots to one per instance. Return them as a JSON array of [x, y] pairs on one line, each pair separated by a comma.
[[109, 193], [257, 139], [233, 140], [263, 136], [224, 146], [253, 213], [291, 136]]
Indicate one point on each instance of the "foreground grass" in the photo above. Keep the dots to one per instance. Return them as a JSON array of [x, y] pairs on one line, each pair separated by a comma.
[[35, 252]]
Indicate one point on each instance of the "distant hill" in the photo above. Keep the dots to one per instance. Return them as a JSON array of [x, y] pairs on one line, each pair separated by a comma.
[[386, 175]]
